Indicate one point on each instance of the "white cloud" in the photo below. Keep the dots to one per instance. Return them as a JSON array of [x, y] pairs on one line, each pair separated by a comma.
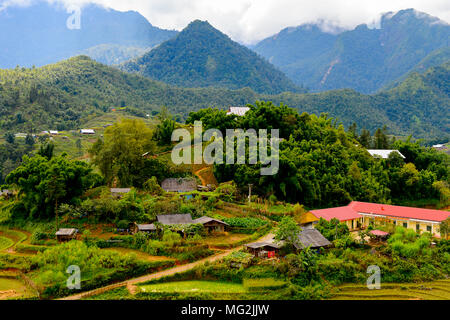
[[252, 20]]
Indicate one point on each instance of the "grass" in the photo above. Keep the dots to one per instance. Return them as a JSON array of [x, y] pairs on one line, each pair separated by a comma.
[[436, 290], [195, 286]]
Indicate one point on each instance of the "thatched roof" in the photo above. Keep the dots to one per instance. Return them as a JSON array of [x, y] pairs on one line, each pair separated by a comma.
[[66, 232], [169, 219], [205, 219], [310, 237], [146, 227], [179, 185]]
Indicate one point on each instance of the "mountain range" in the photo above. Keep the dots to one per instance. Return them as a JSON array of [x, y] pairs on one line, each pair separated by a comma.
[[365, 59], [38, 35], [202, 56]]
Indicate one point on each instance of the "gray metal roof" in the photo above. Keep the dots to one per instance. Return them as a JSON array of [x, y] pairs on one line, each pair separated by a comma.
[[205, 219], [66, 232], [169, 219], [311, 237], [120, 190], [146, 227], [256, 245], [179, 185]]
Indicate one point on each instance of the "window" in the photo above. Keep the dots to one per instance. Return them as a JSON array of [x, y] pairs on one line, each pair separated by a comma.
[[395, 222], [429, 229], [405, 224], [417, 227], [353, 224]]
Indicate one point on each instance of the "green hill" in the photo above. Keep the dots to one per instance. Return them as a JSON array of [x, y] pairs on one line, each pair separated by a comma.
[[202, 56]]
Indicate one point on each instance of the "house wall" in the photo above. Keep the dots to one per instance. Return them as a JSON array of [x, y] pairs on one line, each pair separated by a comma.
[[422, 226]]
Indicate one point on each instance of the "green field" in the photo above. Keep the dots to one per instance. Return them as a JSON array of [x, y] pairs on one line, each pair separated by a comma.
[[436, 290], [195, 286], [11, 288]]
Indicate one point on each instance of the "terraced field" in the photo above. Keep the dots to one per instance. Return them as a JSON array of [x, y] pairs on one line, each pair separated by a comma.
[[437, 290]]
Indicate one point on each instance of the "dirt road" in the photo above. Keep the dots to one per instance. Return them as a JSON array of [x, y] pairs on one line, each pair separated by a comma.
[[157, 275]]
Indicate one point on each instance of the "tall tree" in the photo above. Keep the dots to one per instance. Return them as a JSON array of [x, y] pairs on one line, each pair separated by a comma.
[[119, 155]]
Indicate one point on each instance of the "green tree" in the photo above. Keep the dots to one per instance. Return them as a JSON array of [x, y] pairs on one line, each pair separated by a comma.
[[288, 231], [120, 155], [44, 183]]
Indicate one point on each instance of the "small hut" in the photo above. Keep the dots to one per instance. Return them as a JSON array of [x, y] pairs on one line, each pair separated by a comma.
[[212, 225], [146, 228], [179, 185], [64, 235], [264, 249]]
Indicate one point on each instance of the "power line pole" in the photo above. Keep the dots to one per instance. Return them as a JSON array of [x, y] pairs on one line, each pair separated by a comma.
[[250, 192]]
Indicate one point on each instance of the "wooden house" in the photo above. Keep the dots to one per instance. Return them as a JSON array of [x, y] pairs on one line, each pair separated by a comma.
[[212, 225], [146, 228], [63, 235]]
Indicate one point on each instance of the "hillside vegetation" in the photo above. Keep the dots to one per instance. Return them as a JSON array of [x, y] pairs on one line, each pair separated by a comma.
[[63, 95], [202, 56]]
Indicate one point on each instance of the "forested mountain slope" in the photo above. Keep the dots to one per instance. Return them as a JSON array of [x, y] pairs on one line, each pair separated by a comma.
[[202, 56], [67, 94]]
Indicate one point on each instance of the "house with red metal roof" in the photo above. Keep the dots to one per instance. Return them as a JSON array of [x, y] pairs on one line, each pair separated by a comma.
[[359, 215]]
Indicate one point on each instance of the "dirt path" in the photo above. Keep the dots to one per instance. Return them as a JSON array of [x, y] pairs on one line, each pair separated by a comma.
[[130, 283]]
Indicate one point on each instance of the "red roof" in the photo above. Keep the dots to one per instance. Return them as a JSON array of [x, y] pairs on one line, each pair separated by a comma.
[[400, 212], [340, 213], [379, 233], [353, 210]]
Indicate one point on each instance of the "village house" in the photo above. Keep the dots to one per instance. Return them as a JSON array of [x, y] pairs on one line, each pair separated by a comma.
[[146, 228], [179, 185], [359, 215], [267, 249], [64, 235], [87, 131], [312, 238], [384, 154], [173, 219], [237, 111], [6, 194], [212, 225]]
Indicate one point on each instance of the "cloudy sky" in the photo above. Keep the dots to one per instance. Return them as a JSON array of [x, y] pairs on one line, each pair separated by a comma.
[[248, 21]]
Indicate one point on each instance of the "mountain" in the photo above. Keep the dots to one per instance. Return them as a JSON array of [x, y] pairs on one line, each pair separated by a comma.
[[67, 94], [364, 59], [202, 56], [38, 34]]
